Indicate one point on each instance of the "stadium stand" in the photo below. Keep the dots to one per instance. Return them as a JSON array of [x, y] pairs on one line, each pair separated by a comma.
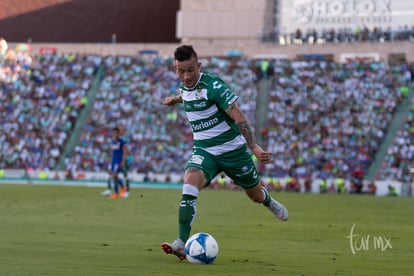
[[328, 119], [400, 155], [41, 102], [322, 119]]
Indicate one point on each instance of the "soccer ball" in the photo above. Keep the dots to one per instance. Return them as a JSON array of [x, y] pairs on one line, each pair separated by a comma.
[[201, 248]]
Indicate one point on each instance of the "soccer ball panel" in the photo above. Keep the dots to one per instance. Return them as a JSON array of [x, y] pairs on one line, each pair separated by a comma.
[[201, 248]]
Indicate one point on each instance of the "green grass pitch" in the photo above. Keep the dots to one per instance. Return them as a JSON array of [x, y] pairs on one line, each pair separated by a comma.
[[62, 230]]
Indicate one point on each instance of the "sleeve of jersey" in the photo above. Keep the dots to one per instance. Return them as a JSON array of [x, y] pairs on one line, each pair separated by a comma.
[[222, 95]]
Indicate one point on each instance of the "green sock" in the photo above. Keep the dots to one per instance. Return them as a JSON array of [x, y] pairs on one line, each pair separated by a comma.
[[108, 184], [186, 215], [267, 199], [127, 184]]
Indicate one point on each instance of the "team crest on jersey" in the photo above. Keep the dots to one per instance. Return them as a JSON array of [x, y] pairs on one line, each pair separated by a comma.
[[116, 145], [199, 94]]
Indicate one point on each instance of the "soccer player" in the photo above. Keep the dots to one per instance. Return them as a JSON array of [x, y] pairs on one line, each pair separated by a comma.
[[221, 136], [118, 160], [124, 169]]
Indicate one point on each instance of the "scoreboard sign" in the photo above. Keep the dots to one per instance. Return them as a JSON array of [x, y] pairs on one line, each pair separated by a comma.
[[325, 14]]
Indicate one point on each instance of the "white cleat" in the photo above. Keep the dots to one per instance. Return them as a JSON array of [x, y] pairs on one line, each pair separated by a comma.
[[176, 248], [278, 210], [107, 192]]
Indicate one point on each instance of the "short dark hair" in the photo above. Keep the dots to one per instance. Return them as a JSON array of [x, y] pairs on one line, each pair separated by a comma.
[[185, 52], [116, 129]]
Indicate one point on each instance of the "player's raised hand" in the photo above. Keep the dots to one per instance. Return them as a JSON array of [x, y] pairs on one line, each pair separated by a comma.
[[263, 156], [171, 100], [168, 101]]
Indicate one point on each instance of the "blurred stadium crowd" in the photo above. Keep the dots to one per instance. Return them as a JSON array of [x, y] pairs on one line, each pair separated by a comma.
[[324, 119]]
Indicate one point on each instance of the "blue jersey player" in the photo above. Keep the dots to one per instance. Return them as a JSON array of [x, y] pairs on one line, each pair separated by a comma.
[[118, 162]]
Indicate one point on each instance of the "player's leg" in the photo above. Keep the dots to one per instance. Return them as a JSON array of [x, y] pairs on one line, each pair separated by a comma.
[[108, 190], [186, 211], [108, 184], [198, 173], [116, 181], [125, 171], [260, 194], [120, 182], [244, 173], [188, 204], [119, 179], [116, 185], [125, 189]]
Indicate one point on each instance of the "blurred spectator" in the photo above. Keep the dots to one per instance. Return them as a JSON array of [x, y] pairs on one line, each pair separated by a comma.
[[340, 185], [292, 184], [323, 186], [357, 181], [308, 182], [392, 191], [372, 188]]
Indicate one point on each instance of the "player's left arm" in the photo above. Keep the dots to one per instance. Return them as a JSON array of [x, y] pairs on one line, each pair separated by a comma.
[[234, 112]]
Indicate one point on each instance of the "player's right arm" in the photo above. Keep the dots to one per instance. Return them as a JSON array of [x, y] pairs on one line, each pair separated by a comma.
[[234, 112], [172, 100]]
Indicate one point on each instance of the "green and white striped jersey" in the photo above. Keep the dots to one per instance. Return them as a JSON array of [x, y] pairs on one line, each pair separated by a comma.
[[213, 130]]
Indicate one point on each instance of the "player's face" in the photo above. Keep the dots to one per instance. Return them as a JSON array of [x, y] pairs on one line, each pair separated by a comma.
[[115, 134], [188, 71]]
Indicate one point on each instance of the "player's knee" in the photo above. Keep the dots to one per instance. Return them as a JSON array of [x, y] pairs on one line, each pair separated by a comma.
[[195, 177]]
